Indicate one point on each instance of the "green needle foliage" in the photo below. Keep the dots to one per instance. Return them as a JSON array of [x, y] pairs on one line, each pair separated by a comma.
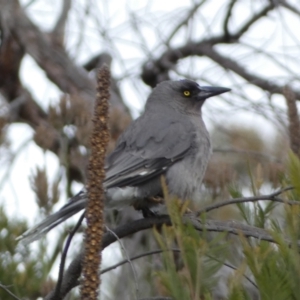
[[24, 270], [192, 277], [259, 269]]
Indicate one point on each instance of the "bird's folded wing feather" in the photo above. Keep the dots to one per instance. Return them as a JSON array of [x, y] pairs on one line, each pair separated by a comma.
[[146, 151]]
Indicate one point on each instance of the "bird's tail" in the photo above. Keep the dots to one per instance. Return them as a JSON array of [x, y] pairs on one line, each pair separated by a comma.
[[74, 205]]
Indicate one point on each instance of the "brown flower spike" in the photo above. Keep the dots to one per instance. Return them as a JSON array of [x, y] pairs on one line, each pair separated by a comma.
[[96, 175]]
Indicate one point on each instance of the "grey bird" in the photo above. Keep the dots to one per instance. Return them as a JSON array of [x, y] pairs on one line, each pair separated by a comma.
[[169, 138]]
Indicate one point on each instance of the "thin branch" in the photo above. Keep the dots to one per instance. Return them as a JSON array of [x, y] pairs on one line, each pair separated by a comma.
[[22, 106], [158, 251], [136, 26], [152, 72], [227, 17], [230, 64], [63, 257], [270, 197], [254, 18], [58, 31], [5, 288], [185, 21], [233, 227], [174, 250], [283, 65], [59, 68], [289, 6], [234, 268], [128, 259]]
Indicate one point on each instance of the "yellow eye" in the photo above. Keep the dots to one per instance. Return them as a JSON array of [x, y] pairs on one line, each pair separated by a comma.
[[187, 93]]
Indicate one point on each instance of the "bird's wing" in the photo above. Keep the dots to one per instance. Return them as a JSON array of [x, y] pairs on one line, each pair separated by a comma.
[[143, 151]]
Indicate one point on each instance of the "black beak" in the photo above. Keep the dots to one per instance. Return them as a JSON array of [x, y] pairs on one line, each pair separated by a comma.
[[210, 91]]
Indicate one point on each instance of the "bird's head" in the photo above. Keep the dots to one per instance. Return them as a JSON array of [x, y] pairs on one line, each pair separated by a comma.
[[184, 94]]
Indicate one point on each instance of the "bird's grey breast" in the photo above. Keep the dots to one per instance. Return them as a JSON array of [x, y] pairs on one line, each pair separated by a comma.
[[184, 178]]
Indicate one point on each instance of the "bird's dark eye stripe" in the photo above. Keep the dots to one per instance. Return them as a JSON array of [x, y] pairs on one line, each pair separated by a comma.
[[189, 86], [191, 89]]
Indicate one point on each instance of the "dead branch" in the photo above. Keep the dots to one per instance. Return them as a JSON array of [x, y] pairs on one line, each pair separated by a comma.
[[229, 64], [59, 68], [72, 274], [271, 197], [227, 17], [155, 71], [58, 31], [63, 258], [6, 289]]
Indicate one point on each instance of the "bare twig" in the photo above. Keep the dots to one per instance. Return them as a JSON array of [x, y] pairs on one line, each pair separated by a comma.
[[59, 68], [128, 259], [73, 272], [227, 17], [64, 256], [289, 6], [230, 64], [136, 257], [234, 268], [183, 22], [5, 288], [58, 31], [158, 251], [261, 50], [152, 72], [255, 17], [270, 197]]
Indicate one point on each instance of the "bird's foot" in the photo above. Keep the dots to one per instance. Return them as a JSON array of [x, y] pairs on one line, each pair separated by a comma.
[[148, 213], [144, 207], [156, 200]]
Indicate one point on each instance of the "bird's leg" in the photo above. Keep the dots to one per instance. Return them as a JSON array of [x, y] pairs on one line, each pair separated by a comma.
[[148, 213], [155, 200], [147, 203]]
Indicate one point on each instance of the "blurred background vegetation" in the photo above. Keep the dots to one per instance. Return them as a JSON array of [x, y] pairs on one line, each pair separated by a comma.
[[48, 56]]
